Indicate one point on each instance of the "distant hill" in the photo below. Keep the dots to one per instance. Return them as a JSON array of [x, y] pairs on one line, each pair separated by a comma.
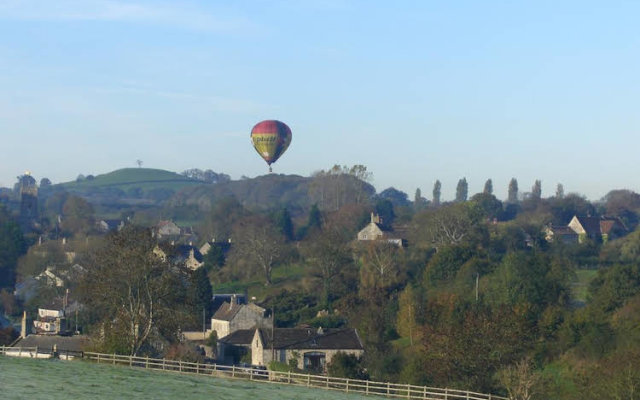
[[132, 177], [125, 188], [170, 195], [263, 192]]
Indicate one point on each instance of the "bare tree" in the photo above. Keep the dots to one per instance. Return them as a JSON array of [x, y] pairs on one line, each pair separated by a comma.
[[520, 380], [380, 265], [448, 225], [139, 163], [256, 240], [341, 185], [134, 293]]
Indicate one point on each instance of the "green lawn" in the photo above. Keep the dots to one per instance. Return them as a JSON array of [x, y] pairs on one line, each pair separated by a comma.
[[282, 276], [22, 378], [580, 286]]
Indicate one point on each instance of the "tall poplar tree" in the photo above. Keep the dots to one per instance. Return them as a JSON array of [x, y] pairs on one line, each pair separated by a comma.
[[559, 191], [513, 191], [436, 193], [488, 187], [462, 190], [536, 190]]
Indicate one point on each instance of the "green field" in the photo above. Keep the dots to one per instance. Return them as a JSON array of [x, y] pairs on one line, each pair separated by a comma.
[[139, 177], [22, 378], [580, 286]]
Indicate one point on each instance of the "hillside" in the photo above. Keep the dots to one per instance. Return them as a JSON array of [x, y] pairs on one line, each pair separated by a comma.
[[83, 380], [124, 188], [263, 192], [126, 178]]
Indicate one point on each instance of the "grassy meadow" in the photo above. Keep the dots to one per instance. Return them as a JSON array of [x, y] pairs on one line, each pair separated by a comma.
[[22, 378]]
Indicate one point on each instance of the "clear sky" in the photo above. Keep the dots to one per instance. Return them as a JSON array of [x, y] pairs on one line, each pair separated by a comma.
[[414, 90]]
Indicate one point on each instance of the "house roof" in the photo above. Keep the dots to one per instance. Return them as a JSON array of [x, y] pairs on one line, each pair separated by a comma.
[[184, 250], [312, 338], [590, 224], [563, 230], [239, 337], [72, 343], [227, 311], [607, 224]]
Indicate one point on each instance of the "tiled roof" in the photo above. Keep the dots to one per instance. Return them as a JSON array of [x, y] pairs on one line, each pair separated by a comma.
[[312, 338], [239, 337], [562, 230], [226, 312], [72, 343], [590, 224]]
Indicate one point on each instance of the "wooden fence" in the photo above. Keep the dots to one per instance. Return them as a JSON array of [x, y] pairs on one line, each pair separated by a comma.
[[365, 387]]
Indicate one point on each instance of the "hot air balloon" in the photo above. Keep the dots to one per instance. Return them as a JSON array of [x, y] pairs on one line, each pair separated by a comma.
[[270, 138]]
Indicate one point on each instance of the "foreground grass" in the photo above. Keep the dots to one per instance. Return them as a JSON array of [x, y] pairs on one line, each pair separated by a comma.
[[23, 378]]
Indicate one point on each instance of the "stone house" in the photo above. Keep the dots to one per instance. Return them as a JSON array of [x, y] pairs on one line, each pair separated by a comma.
[[377, 231], [180, 254], [563, 233], [311, 348], [167, 228], [580, 229], [231, 317], [597, 228]]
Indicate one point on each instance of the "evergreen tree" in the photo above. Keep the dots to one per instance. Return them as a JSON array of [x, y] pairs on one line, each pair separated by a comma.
[[284, 224], [214, 259], [419, 202], [488, 187], [513, 191], [12, 246], [462, 190], [559, 191], [315, 218], [201, 292], [436, 193], [536, 190]]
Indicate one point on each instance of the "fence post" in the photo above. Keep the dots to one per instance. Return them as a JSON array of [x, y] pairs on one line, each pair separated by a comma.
[[289, 377], [114, 358], [36, 354], [233, 371], [308, 380], [446, 393], [424, 390], [146, 364], [130, 360], [327, 381], [163, 364], [179, 365], [366, 388], [408, 390], [388, 389], [347, 388]]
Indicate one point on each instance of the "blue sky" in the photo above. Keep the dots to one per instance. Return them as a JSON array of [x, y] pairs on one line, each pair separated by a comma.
[[414, 90]]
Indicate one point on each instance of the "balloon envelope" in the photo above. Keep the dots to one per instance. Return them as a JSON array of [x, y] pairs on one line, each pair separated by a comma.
[[270, 138]]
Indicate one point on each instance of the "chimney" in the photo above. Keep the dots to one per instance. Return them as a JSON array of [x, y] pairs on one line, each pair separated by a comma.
[[23, 330], [234, 300]]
